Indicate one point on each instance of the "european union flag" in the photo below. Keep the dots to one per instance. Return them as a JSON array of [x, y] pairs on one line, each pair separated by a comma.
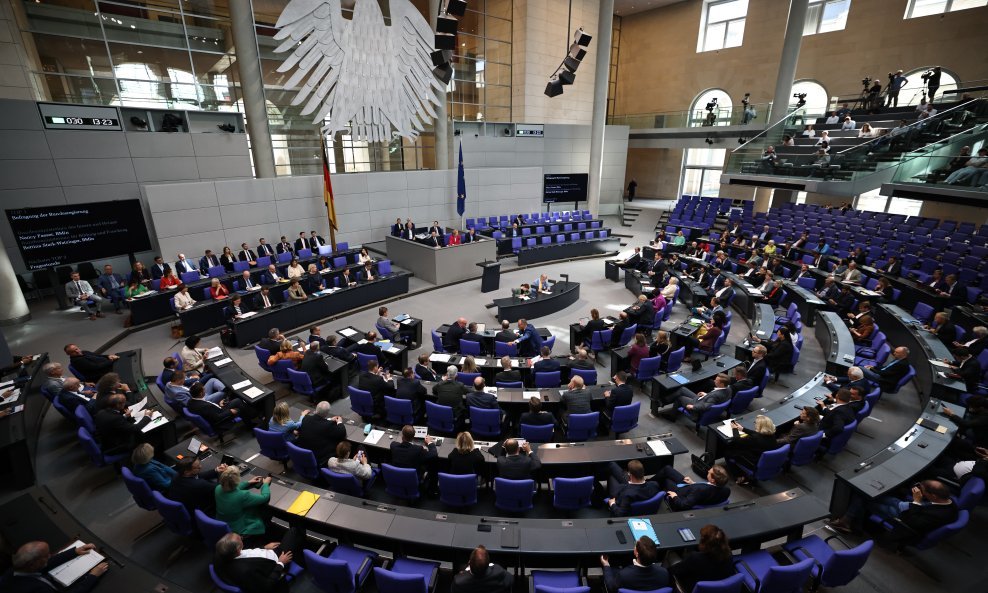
[[461, 187]]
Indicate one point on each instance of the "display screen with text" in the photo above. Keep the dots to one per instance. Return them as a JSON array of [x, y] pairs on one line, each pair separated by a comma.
[[57, 235], [570, 187]]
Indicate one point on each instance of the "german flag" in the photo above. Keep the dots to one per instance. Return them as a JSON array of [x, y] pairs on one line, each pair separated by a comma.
[[327, 190]]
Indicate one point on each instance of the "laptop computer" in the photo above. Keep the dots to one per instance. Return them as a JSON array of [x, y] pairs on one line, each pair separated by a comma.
[[195, 448], [481, 328]]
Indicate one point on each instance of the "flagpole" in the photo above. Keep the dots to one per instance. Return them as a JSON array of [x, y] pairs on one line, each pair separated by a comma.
[[328, 199]]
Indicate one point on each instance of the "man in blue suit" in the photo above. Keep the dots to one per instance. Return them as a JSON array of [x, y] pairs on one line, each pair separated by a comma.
[[627, 488], [646, 573], [111, 286], [529, 341], [547, 364], [208, 260]]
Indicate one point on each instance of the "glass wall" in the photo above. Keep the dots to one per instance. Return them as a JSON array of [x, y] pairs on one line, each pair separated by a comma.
[[702, 168], [181, 54]]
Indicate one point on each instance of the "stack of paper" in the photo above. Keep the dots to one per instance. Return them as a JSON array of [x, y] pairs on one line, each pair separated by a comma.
[[214, 351], [248, 314], [222, 361], [725, 429], [347, 332], [241, 385], [74, 569], [253, 392], [373, 436], [530, 394], [659, 448], [436, 357], [480, 361]]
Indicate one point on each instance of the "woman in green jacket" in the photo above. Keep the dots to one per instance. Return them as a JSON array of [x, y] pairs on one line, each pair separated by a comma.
[[240, 508]]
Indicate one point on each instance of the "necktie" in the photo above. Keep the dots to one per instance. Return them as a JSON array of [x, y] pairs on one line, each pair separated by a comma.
[[890, 364], [237, 309], [267, 303], [79, 288], [249, 284]]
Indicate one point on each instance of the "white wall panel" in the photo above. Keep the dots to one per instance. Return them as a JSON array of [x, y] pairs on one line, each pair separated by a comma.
[[186, 222], [180, 196], [150, 145], [244, 191], [245, 215]]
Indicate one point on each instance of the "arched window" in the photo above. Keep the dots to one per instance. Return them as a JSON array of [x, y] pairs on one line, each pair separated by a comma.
[[718, 115], [816, 96], [912, 93]]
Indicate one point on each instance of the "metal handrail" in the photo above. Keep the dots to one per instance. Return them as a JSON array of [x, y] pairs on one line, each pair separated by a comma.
[[767, 128], [916, 123]]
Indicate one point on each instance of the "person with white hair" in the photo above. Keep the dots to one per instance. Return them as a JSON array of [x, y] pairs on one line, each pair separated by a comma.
[[450, 392], [254, 569], [670, 289], [320, 433]]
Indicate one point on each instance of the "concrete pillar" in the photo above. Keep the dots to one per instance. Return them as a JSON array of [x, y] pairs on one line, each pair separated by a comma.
[[605, 23], [13, 307], [790, 57], [441, 125], [763, 199], [252, 86]]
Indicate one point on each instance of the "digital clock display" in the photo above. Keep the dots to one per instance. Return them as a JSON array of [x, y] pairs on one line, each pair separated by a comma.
[[69, 120]]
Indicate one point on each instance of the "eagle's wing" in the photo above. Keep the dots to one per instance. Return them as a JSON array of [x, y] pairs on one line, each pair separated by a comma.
[[418, 90], [313, 30]]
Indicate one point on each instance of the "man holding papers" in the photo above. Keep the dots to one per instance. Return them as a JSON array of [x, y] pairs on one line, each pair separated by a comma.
[[35, 569]]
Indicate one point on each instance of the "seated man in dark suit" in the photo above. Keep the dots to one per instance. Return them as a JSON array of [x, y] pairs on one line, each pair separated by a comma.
[[955, 290], [315, 335], [577, 399], [517, 463], [641, 311], [220, 417], [315, 366], [505, 335], [92, 366], [582, 361], [370, 348], [337, 351], [646, 573], [695, 404], [855, 378], [472, 335], [627, 488], [622, 324], [423, 370], [263, 299], [507, 374], [482, 576], [33, 561], [116, 430], [889, 374], [411, 389], [378, 383], [478, 398], [72, 395], [739, 380], [195, 488], [620, 395], [928, 507], [411, 455], [450, 392], [965, 368], [457, 329], [235, 309], [546, 364], [683, 498], [435, 240], [260, 570], [320, 433], [836, 416], [535, 416]]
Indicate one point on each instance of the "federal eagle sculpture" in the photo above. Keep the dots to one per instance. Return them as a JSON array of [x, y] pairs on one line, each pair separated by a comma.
[[361, 74]]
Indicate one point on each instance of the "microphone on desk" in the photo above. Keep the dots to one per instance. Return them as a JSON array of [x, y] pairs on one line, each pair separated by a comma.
[[863, 466], [379, 507], [739, 506], [500, 521]]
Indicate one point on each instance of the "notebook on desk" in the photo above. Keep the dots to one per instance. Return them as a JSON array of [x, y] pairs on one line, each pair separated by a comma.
[[640, 527], [74, 569]]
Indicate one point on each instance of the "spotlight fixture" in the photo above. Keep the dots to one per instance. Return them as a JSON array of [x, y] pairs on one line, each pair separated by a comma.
[[227, 127], [447, 21], [565, 74], [741, 140], [708, 140], [138, 122]]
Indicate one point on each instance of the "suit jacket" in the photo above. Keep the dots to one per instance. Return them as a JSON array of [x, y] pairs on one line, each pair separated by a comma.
[[700, 493], [377, 387], [412, 389], [301, 243], [104, 282], [495, 580], [370, 349], [970, 373], [216, 416], [511, 376], [285, 248], [546, 365], [450, 393], [628, 493], [92, 366], [540, 419], [518, 467], [425, 372], [34, 584], [230, 313], [505, 336], [270, 345], [577, 401], [207, 262], [155, 271], [617, 330], [717, 396], [957, 292], [183, 266], [636, 578], [75, 290], [780, 355], [315, 365], [891, 373], [320, 435], [265, 249], [253, 575], [643, 312], [835, 419], [72, 400], [117, 432], [621, 395], [453, 335], [196, 492], [258, 301], [482, 400], [735, 386], [798, 431], [412, 455], [340, 353]]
